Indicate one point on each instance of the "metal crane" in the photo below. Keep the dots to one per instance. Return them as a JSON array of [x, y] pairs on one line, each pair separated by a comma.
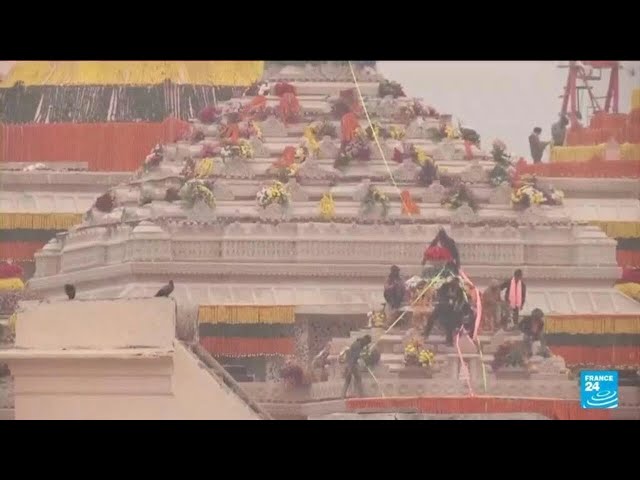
[[578, 78]]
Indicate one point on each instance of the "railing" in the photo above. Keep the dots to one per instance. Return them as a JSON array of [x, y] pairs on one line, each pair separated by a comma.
[[228, 380]]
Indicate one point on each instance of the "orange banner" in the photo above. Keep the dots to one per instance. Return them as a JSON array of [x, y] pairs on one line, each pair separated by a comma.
[[109, 147], [551, 408]]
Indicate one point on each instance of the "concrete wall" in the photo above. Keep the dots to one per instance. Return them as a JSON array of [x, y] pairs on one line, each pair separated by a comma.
[[109, 360]]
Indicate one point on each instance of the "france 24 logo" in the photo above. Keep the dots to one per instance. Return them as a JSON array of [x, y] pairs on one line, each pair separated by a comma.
[[599, 389]]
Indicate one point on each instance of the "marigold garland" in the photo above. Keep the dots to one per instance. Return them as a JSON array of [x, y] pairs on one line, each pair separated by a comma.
[[327, 207], [619, 229], [592, 324], [241, 314], [39, 221]]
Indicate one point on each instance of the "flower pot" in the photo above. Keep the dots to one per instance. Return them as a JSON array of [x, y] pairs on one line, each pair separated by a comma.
[[412, 371]]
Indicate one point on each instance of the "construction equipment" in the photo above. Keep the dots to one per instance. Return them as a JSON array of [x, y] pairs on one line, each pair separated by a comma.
[[581, 73]]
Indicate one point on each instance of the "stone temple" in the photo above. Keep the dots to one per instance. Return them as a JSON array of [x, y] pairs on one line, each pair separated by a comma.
[[256, 283]]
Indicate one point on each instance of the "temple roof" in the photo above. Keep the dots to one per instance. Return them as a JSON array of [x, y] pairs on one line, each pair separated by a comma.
[[565, 300]]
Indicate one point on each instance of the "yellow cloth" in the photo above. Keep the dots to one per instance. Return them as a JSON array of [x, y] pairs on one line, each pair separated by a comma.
[[12, 323], [635, 99], [39, 221], [630, 290], [592, 325], [575, 154], [628, 151], [230, 73], [619, 229], [11, 284], [242, 314]]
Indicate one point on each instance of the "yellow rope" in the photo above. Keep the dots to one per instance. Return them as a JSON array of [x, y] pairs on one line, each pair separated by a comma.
[[375, 137]]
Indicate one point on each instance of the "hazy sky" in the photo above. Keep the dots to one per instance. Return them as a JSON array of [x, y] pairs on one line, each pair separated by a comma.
[[500, 99]]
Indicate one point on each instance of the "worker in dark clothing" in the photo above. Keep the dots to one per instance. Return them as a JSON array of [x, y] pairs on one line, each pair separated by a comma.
[[515, 295], [559, 131], [533, 329], [452, 311], [352, 369], [394, 289], [536, 145]]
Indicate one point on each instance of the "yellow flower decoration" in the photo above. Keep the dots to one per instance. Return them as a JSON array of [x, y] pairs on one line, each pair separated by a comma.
[[327, 207], [451, 132], [11, 284], [396, 133], [421, 156], [12, 323], [204, 168], [310, 135]]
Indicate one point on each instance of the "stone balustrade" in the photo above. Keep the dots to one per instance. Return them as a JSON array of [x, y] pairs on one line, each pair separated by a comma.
[[317, 243]]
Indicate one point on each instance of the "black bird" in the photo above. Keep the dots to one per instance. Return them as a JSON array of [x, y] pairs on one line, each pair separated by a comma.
[[70, 290], [166, 290]]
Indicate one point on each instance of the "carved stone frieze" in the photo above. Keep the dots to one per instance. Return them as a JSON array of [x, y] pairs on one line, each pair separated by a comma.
[[237, 168], [328, 149], [223, 192], [274, 212], [474, 173], [298, 193], [464, 214], [259, 149], [434, 193], [311, 171], [407, 172], [501, 195], [201, 212], [531, 216], [272, 127], [361, 191]]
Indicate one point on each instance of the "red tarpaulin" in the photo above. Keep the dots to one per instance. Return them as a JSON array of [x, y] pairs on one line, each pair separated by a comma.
[[109, 147], [603, 356], [551, 408], [593, 169]]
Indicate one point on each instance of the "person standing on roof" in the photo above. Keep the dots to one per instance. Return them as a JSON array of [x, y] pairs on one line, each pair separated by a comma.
[[559, 131], [536, 145]]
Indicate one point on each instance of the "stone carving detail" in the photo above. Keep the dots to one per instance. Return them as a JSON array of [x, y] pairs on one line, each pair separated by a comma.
[[501, 195], [406, 172], [387, 107], [434, 193], [531, 216], [272, 127], [309, 170], [417, 129], [259, 149], [360, 192], [126, 194], [474, 173], [223, 192], [298, 194], [464, 214], [446, 151], [374, 212], [201, 212], [273, 212], [328, 149], [237, 168]]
